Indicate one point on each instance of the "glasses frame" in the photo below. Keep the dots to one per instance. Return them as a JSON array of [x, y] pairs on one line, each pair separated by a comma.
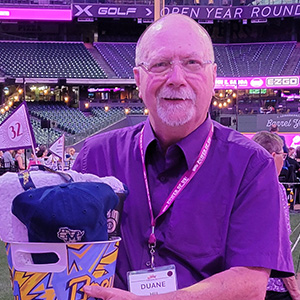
[[146, 67], [283, 154]]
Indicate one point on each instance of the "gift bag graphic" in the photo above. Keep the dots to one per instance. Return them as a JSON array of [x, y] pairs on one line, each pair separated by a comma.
[[78, 264]]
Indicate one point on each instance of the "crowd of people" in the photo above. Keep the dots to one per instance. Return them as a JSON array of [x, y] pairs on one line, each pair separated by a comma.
[[16, 160]]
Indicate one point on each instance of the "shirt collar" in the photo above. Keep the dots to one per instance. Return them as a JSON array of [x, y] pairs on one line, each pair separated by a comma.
[[148, 135], [190, 145]]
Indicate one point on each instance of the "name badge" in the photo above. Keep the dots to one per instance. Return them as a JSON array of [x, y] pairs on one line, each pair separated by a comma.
[[154, 281]]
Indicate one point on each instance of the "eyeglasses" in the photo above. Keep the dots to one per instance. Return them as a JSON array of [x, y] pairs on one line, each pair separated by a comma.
[[284, 155], [164, 66]]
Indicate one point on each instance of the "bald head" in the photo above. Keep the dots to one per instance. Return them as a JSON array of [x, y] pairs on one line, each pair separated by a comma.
[[168, 27]]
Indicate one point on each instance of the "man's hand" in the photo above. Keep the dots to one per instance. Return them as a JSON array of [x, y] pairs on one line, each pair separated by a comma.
[[232, 284], [108, 293]]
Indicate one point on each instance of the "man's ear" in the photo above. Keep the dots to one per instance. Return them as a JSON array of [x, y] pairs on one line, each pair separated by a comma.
[[273, 154], [214, 77], [137, 78], [136, 73]]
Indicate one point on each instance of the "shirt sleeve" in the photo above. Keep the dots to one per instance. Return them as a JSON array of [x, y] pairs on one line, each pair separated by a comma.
[[257, 234]]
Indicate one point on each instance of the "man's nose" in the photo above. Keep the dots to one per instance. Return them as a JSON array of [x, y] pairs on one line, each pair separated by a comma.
[[176, 76]]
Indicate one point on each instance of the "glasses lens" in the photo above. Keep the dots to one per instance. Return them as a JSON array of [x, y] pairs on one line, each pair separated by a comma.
[[160, 67], [189, 65]]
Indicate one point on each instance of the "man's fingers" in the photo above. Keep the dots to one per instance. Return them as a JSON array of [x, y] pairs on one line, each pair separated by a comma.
[[104, 293], [96, 291]]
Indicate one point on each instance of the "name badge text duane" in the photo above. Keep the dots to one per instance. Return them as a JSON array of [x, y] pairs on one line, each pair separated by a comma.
[[154, 281]]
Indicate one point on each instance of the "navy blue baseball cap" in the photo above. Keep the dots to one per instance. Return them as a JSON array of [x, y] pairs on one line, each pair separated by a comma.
[[70, 212]]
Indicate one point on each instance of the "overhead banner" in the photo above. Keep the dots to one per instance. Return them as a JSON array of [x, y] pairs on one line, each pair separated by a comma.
[[195, 12], [285, 122], [244, 83], [35, 14]]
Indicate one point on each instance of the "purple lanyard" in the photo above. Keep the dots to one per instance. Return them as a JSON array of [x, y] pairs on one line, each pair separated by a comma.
[[181, 184]]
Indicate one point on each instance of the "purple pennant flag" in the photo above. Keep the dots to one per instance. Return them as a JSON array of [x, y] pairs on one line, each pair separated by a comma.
[[16, 131], [58, 147]]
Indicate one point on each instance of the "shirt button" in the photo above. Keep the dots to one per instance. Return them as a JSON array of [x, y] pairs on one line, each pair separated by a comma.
[[162, 179]]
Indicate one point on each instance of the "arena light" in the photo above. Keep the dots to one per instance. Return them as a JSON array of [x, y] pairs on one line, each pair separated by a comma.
[[2, 110], [16, 98], [10, 103], [224, 104], [6, 92], [228, 100], [6, 107], [220, 105], [66, 99], [146, 111], [86, 105], [106, 108], [127, 110], [20, 91], [215, 103]]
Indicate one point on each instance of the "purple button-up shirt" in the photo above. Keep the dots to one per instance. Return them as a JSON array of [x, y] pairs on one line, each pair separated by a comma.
[[228, 215], [276, 284]]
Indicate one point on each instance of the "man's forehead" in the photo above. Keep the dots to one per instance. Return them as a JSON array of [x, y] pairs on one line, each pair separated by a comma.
[[176, 32], [170, 23], [169, 52], [159, 47]]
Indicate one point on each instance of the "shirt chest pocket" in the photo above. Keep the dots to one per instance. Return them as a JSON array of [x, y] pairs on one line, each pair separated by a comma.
[[196, 227]]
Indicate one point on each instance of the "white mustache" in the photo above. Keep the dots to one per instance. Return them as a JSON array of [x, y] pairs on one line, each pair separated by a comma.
[[183, 94]]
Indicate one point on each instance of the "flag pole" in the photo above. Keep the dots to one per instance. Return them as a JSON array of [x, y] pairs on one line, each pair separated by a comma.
[[31, 139], [30, 132], [63, 154]]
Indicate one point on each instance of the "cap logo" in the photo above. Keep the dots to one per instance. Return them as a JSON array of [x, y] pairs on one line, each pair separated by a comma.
[[112, 220], [69, 235]]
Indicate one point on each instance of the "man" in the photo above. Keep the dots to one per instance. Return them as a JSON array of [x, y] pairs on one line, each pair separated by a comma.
[[274, 129], [8, 159], [292, 161], [277, 288], [212, 225]]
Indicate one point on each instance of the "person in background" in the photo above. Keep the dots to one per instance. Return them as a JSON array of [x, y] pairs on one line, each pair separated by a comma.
[[20, 159], [70, 157], [215, 227], [293, 162], [8, 159], [278, 288], [41, 156], [297, 154], [42, 153], [274, 129], [292, 152]]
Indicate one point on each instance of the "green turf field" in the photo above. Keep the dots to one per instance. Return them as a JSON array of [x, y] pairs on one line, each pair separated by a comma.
[[5, 286], [295, 239]]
